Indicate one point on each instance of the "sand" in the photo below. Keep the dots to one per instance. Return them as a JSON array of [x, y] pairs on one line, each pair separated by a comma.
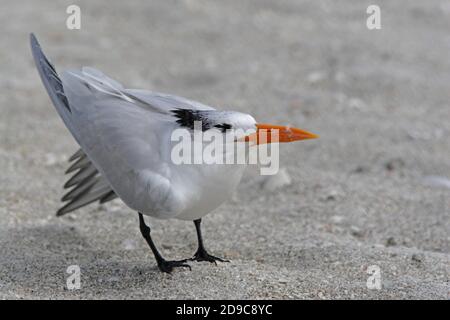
[[372, 191]]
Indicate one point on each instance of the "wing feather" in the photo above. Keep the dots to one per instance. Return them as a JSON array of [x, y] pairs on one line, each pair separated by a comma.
[[85, 191], [81, 162]]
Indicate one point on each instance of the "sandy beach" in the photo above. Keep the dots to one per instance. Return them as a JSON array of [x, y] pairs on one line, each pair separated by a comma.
[[374, 190]]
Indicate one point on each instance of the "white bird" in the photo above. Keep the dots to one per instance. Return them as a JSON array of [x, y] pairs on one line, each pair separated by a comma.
[[124, 135]]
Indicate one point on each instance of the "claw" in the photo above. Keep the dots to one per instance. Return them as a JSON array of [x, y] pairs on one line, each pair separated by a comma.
[[168, 266], [203, 255]]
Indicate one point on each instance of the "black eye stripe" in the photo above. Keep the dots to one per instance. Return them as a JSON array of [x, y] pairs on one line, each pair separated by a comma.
[[223, 126]]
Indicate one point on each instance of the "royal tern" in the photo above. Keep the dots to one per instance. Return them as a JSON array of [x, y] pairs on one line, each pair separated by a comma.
[[125, 149]]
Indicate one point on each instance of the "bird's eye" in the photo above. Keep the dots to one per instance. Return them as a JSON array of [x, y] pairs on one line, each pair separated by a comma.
[[223, 126]]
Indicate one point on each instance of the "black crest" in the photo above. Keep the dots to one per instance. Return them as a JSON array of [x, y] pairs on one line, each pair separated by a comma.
[[223, 126], [187, 117]]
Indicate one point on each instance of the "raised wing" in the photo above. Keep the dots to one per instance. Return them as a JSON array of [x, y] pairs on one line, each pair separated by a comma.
[[153, 101], [124, 133], [87, 183]]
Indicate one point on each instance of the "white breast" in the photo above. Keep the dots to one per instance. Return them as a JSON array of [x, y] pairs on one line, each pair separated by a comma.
[[205, 187], [192, 190]]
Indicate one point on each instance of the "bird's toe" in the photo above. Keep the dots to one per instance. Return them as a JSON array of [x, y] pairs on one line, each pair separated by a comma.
[[203, 255], [168, 266]]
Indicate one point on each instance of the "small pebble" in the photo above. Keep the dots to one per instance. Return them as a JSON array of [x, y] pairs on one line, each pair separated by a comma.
[[418, 257], [356, 103], [316, 77], [281, 179], [331, 195], [337, 219], [360, 169], [355, 231], [52, 159], [391, 242], [394, 164], [129, 244], [436, 181]]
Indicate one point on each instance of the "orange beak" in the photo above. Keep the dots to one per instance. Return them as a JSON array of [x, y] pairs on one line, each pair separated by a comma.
[[269, 133]]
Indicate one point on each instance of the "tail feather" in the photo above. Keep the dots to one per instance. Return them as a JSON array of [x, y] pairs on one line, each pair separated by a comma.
[[81, 162], [87, 184], [82, 176]]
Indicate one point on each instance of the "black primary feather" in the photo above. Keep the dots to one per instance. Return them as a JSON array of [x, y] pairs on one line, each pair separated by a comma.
[[48, 74], [87, 185]]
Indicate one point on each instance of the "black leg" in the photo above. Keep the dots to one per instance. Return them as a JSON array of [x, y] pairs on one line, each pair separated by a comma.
[[202, 254], [163, 264]]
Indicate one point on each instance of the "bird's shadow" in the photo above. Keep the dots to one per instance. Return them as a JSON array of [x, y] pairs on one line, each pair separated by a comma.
[[34, 261]]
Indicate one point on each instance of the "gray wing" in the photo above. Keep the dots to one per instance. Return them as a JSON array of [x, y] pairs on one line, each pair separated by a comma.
[[87, 183], [162, 101], [124, 135]]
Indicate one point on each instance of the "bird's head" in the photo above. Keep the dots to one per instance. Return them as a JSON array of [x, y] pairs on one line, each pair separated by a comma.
[[241, 125], [246, 128]]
